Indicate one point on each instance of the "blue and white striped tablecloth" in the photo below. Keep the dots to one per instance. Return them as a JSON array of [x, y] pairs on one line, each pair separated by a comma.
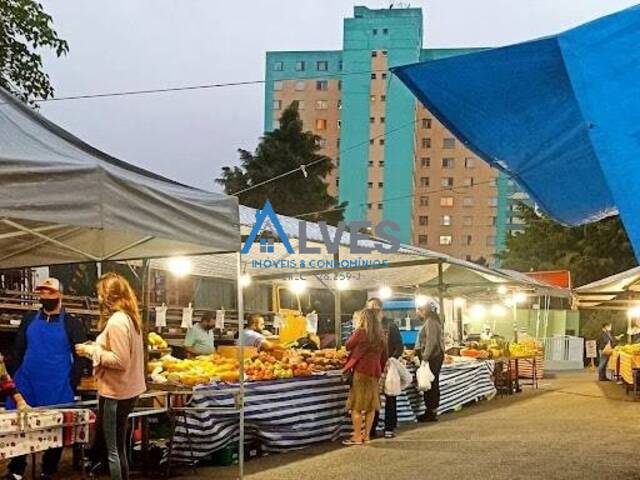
[[296, 413]]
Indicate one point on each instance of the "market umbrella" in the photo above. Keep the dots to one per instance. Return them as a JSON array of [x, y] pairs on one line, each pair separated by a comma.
[[559, 115]]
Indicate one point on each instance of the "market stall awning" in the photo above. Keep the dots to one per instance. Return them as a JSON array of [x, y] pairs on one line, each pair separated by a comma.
[[63, 201], [408, 268], [617, 292], [560, 115]]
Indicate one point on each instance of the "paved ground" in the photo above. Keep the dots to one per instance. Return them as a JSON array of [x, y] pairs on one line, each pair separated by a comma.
[[571, 428]]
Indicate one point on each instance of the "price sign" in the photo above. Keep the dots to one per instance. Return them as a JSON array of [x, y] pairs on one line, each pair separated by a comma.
[[592, 350]]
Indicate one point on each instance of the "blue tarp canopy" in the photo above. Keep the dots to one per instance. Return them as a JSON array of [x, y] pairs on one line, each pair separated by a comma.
[[559, 115]]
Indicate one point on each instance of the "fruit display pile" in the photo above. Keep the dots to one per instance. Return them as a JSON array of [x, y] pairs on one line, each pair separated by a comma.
[[632, 349], [207, 369], [484, 349], [524, 349], [156, 342]]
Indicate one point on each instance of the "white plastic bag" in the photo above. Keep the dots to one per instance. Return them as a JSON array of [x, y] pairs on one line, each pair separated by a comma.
[[424, 377], [406, 378], [392, 382]]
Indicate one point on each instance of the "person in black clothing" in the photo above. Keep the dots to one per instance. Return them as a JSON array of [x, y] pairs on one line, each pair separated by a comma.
[[48, 369], [605, 338], [430, 348], [395, 348]]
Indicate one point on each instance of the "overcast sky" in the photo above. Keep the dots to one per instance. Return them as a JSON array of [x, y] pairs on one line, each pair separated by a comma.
[[118, 45]]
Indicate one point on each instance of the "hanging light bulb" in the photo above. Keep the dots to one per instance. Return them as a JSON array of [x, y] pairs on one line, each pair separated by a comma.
[[385, 293]]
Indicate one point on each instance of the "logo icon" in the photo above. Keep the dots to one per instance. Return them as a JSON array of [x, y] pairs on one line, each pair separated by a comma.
[[266, 244]]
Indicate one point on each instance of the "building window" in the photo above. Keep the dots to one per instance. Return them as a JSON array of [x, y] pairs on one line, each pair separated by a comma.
[[322, 142], [372, 98], [424, 201], [426, 142], [277, 104], [380, 206], [422, 239], [374, 53], [467, 221], [425, 162], [371, 141], [369, 206], [492, 202], [338, 139], [447, 182], [372, 119], [469, 162], [276, 123], [385, 31], [426, 123], [380, 184], [300, 66], [370, 184], [423, 220], [381, 141], [446, 201], [384, 53], [322, 105], [449, 142], [322, 66], [466, 240], [381, 119], [384, 76], [467, 202], [339, 104], [373, 76], [383, 98], [445, 221], [277, 85], [446, 240], [491, 241], [337, 181], [322, 85], [339, 126], [321, 124], [381, 163], [448, 162], [340, 65], [278, 66], [493, 221], [424, 182], [300, 104], [339, 84], [468, 182], [375, 31], [371, 163], [467, 258], [299, 85]]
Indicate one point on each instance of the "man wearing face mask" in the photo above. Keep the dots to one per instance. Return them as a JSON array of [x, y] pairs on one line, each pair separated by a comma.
[[199, 339], [48, 369]]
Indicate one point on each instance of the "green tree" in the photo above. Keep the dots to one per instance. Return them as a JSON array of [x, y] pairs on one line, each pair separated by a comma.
[[284, 149], [590, 252], [24, 28]]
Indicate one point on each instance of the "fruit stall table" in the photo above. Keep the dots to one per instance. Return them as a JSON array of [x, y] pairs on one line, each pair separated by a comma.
[[295, 413]]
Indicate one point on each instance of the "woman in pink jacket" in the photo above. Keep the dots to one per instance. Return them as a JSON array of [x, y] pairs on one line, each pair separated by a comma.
[[118, 363]]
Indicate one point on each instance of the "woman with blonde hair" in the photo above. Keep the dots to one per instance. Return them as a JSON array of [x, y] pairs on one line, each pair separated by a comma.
[[118, 362], [367, 357]]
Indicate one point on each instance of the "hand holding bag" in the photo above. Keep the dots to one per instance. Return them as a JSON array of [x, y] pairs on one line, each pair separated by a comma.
[[424, 377]]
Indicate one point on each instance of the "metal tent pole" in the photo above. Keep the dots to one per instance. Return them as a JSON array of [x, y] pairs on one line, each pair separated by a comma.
[[441, 292], [337, 309], [240, 398]]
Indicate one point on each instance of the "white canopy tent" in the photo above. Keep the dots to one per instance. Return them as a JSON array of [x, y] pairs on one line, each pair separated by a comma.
[[616, 292]]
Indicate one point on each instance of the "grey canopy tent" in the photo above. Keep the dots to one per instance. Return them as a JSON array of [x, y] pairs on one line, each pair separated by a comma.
[[63, 201]]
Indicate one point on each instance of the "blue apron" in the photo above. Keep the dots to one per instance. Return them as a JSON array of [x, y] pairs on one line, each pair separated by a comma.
[[44, 378]]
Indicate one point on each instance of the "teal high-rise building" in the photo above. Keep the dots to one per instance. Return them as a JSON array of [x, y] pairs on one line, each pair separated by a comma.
[[394, 160]]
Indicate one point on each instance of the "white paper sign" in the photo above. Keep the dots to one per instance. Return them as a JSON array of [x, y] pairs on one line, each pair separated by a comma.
[[187, 317], [592, 350], [161, 316], [220, 319], [312, 322], [277, 322]]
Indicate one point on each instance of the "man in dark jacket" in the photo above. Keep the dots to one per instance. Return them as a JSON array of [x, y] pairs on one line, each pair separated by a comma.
[[47, 368], [605, 338], [430, 348], [395, 348]]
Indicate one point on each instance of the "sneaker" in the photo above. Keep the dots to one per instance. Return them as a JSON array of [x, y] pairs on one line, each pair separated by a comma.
[[389, 434]]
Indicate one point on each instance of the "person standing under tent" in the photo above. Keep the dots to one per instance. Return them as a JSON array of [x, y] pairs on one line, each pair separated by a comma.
[[48, 371], [199, 338], [430, 349], [118, 362], [395, 348], [605, 338], [367, 358]]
